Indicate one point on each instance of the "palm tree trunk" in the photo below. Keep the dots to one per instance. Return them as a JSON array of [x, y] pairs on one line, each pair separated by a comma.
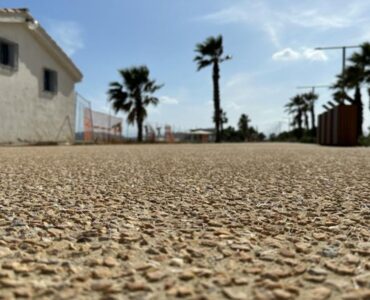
[[246, 136], [313, 118], [300, 129], [139, 118], [306, 120], [139, 131], [359, 105], [216, 99]]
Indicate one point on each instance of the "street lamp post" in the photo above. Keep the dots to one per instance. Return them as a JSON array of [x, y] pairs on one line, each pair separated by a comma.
[[343, 48], [313, 87]]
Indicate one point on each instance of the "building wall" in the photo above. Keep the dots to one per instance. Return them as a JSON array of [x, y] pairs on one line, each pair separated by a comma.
[[27, 114]]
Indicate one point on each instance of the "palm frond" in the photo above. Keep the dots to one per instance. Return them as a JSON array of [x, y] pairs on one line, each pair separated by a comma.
[[151, 100], [131, 117], [203, 64], [151, 87], [209, 51]]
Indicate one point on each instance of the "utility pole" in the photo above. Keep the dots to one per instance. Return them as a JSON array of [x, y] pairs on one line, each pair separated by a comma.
[[313, 87], [343, 48], [109, 124]]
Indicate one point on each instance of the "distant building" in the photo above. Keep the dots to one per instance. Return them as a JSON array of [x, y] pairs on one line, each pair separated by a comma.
[[37, 83], [199, 135]]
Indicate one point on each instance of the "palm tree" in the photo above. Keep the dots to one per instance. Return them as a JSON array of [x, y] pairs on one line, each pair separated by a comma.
[[357, 75], [361, 61], [243, 125], [305, 110], [224, 120], [133, 95], [210, 52], [310, 99], [296, 107], [354, 77]]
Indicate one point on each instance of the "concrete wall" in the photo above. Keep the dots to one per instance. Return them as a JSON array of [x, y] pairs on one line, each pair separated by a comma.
[[27, 113]]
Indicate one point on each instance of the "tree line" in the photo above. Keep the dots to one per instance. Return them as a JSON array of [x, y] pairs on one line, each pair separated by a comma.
[[243, 133], [347, 87]]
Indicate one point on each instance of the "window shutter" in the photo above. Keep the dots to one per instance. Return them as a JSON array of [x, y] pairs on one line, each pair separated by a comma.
[[4, 54], [8, 54], [13, 55]]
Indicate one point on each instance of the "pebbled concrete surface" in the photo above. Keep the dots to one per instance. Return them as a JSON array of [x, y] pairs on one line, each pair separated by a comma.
[[243, 221]]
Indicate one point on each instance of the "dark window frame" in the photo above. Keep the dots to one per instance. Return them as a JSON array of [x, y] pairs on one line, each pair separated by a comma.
[[50, 81], [8, 54]]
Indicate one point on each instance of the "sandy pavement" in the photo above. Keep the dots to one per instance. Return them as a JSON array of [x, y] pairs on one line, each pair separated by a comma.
[[260, 221]]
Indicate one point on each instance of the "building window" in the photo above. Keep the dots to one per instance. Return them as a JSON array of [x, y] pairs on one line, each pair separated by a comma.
[[50, 81], [8, 54]]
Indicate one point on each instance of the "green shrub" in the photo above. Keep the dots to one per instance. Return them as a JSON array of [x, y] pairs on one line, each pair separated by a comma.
[[364, 141], [308, 139]]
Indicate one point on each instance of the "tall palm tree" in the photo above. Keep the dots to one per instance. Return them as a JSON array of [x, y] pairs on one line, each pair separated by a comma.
[[133, 95], [353, 77], [210, 52], [358, 74], [361, 61], [310, 99]]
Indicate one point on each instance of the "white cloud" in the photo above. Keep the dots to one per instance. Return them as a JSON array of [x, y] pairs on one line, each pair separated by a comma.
[[68, 35], [233, 105], [168, 100], [228, 15], [315, 19], [314, 55], [276, 22], [238, 79], [273, 31], [248, 93], [209, 103], [255, 12], [288, 54]]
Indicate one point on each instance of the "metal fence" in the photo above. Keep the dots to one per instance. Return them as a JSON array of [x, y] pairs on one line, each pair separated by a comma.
[[84, 130]]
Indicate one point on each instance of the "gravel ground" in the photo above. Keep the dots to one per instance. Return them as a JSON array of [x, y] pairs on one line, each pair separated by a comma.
[[261, 221]]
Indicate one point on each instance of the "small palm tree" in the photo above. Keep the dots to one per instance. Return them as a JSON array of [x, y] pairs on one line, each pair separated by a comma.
[[243, 125], [296, 107], [210, 52], [310, 99], [305, 110], [133, 95], [223, 120]]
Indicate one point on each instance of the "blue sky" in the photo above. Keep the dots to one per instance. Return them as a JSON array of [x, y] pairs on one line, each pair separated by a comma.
[[271, 43]]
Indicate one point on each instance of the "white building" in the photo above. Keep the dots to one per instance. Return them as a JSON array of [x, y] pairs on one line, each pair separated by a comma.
[[37, 83]]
